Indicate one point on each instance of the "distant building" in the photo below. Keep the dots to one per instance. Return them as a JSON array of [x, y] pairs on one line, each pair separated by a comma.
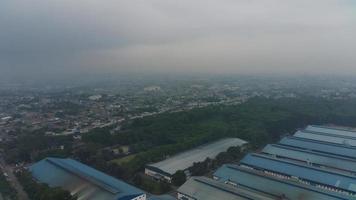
[[95, 97], [152, 88], [202, 188], [6, 119], [167, 168], [83, 181]]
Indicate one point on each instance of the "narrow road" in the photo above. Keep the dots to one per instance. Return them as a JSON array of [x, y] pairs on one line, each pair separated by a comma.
[[21, 194]]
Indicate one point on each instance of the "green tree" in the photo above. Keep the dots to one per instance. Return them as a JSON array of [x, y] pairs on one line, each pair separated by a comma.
[[179, 178]]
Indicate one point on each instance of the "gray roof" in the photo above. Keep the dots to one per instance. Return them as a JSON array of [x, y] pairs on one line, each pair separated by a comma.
[[331, 130], [82, 180], [305, 172], [161, 197], [202, 188], [325, 159], [275, 186], [319, 146], [326, 137], [186, 159]]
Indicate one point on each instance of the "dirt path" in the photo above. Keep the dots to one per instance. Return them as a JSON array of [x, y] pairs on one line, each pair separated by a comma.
[[21, 194]]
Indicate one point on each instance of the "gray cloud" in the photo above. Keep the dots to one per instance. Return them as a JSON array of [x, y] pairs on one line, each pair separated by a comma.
[[224, 36]]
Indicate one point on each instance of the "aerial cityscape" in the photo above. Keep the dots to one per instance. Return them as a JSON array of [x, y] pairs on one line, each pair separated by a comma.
[[181, 139], [178, 100]]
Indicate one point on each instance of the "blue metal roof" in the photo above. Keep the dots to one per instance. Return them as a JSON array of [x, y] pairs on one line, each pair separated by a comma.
[[318, 146], [331, 130], [305, 172], [319, 158], [275, 186], [350, 141], [72, 175]]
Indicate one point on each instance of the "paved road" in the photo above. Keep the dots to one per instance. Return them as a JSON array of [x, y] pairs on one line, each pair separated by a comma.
[[21, 194]]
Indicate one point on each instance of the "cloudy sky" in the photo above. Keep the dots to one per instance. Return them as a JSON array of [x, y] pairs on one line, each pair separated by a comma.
[[57, 37]]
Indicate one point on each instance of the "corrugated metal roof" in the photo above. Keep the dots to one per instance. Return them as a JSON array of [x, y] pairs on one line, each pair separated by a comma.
[[279, 187], [326, 138], [187, 159], [208, 189], [324, 159], [334, 149], [305, 172], [84, 181], [331, 130], [161, 197]]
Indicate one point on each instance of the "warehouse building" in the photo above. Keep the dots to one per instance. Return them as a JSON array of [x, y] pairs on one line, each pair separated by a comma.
[[202, 188], [273, 185], [334, 181], [318, 146], [331, 130], [83, 181], [167, 168], [325, 137], [325, 160]]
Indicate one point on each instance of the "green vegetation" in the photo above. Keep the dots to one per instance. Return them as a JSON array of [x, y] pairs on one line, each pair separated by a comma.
[[233, 154], [122, 161], [147, 184], [179, 178], [35, 146], [100, 136], [259, 121], [5, 188], [37, 191]]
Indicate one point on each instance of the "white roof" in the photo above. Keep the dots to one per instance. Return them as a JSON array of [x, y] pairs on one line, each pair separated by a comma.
[[186, 159]]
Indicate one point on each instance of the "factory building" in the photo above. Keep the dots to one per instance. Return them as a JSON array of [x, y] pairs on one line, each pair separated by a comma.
[[325, 137], [83, 181], [183, 161], [318, 163], [319, 177], [319, 146], [331, 130], [274, 185], [210, 189], [313, 158]]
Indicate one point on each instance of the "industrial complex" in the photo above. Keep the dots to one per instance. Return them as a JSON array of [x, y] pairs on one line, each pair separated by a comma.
[[166, 168], [317, 162]]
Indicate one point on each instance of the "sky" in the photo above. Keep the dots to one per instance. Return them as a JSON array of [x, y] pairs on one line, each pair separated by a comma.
[[40, 38]]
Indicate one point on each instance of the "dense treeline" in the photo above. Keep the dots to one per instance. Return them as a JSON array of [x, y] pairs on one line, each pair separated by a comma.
[[37, 191], [36, 146], [259, 121]]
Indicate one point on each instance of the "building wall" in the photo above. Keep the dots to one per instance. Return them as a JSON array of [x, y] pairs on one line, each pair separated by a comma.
[[156, 174], [181, 196]]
